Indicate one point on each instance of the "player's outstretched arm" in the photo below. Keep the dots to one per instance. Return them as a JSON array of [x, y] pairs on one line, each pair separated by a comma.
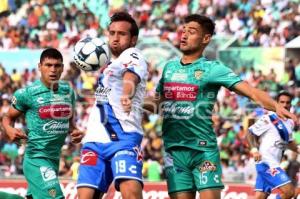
[[263, 99], [8, 121]]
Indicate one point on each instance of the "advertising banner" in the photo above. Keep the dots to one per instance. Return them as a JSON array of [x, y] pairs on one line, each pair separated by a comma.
[[156, 190]]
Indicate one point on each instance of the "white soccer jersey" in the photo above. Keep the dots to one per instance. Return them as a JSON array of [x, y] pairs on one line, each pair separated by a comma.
[[107, 119], [274, 135]]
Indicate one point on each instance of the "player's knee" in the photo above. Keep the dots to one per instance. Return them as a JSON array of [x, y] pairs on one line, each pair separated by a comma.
[[131, 189]]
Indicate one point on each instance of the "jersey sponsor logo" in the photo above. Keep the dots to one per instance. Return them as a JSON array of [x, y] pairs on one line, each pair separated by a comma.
[[273, 171], [55, 111], [47, 173], [101, 94], [207, 166], [55, 126], [88, 158], [40, 100], [139, 154], [178, 110], [179, 77], [14, 100], [280, 144], [180, 91]]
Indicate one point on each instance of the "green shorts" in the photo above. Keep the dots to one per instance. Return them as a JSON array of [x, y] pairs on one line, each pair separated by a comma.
[[189, 170], [42, 179]]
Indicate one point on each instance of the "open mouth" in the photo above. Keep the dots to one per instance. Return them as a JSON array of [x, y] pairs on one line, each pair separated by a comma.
[[52, 76], [183, 43]]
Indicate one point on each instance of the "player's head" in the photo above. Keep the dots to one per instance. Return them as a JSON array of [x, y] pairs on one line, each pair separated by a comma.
[[197, 33], [284, 98], [51, 66], [123, 33]]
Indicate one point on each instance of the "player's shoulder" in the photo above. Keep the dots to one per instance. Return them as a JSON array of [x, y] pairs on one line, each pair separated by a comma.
[[214, 64], [35, 88], [132, 52], [171, 63], [29, 89]]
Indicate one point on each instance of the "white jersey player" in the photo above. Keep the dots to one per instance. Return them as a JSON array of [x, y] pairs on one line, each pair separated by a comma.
[[111, 146], [269, 137], [108, 108]]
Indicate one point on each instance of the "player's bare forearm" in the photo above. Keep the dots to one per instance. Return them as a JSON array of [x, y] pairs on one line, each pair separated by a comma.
[[260, 97], [254, 144], [294, 147], [130, 82], [263, 99], [8, 120]]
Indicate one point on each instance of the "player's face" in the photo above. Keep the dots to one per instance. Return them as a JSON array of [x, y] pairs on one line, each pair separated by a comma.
[[120, 38], [193, 39], [51, 70], [285, 101]]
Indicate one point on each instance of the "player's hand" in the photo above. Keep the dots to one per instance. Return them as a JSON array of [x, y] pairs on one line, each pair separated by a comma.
[[256, 156], [76, 136], [126, 103], [15, 135], [285, 114]]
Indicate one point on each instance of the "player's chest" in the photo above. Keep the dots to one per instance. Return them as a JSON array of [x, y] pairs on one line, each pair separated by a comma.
[[183, 84], [52, 106]]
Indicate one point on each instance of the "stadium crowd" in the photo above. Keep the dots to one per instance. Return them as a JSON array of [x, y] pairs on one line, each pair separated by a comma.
[[55, 23]]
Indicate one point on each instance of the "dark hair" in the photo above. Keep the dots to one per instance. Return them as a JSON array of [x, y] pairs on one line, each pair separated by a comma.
[[284, 93], [124, 16], [51, 53], [206, 23]]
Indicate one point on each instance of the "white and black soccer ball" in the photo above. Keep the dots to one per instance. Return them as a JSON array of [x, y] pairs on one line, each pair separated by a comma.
[[90, 54]]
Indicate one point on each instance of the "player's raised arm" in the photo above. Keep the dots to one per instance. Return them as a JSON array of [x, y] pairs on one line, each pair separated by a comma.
[[130, 82], [8, 121], [263, 99]]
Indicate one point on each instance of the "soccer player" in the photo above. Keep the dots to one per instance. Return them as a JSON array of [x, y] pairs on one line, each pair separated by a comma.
[[269, 137], [187, 92], [48, 105], [111, 149]]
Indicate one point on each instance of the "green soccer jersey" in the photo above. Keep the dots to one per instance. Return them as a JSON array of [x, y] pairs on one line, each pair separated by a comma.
[[190, 92], [47, 115]]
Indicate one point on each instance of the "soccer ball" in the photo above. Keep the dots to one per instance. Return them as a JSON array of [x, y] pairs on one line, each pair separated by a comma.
[[90, 54]]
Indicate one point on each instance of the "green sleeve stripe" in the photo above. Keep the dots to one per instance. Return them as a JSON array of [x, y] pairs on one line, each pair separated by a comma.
[[232, 85]]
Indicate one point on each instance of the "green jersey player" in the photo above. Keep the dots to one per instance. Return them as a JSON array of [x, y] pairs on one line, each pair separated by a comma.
[[48, 105], [187, 91]]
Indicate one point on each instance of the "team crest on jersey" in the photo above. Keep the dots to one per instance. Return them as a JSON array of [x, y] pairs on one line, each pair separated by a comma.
[[139, 154], [198, 74], [52, 192], [273, 171], [207, 166]]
